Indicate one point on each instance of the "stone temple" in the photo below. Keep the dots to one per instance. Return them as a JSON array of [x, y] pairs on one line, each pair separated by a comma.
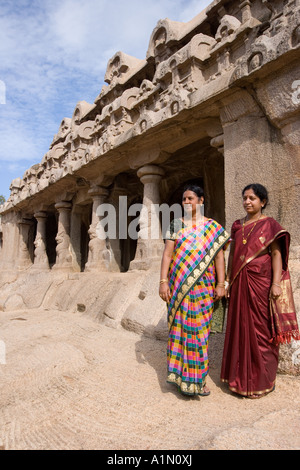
[[216, 100]]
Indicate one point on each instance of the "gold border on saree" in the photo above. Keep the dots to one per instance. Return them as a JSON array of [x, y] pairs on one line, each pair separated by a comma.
[[248, 260]]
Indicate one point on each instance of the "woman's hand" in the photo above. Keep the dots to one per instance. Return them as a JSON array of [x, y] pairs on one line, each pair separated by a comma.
[[275, 291], [219, 292], [220, 271], [164, 292]]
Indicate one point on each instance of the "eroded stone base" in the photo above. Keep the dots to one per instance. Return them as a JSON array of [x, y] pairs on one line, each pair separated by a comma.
[[118, 300]]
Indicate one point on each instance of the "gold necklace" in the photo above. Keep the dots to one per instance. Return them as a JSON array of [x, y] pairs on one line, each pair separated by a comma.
[[246, 239]]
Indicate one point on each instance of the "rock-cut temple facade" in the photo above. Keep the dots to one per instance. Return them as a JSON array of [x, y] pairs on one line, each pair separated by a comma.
[[216, 100]]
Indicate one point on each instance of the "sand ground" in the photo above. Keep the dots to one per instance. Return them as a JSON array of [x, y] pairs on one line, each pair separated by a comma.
[[71, 383]]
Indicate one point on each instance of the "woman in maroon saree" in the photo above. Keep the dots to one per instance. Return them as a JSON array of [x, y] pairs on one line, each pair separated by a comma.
[[261, 312]]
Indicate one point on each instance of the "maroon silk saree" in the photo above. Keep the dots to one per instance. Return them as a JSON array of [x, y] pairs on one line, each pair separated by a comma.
[[254, 330]]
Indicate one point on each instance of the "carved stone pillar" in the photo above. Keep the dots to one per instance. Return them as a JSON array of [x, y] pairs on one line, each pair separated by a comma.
[[64, 259], [279, 97], [24, 259], [99, 255], [10, 242], [41, 262], [149, 249], [248, 151]]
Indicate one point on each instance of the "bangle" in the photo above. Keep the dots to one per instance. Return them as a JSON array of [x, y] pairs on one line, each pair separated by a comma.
[[163, 280], [221, 284], [274, 284]]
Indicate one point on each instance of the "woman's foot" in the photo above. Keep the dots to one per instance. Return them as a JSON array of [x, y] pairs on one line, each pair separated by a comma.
[[205, 392], [254, 396]]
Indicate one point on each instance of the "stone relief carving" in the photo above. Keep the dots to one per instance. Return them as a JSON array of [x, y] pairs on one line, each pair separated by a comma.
[[267, 47], [295, 39], [81, 110], [118, 114], [201, 46], [228, 27], [64, 129], [290, 35], [30, 180], [120, 67], [255, 61], [161, 44], [15, 187], [130, 104]]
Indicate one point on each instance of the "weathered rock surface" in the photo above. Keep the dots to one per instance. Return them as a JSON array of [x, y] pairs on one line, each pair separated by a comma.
[[70, 382]]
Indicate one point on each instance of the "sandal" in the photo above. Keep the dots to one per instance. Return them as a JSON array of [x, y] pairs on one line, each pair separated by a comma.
[[254, 396], [205, 392]]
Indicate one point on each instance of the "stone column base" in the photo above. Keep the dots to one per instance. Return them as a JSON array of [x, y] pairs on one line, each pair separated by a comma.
[[148, 256]]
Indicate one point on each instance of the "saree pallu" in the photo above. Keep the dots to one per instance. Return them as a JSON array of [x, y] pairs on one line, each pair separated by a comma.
[[250, 358], [192, 282]]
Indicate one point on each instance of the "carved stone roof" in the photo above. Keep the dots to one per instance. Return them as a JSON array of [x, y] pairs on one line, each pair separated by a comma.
[[227, 45]]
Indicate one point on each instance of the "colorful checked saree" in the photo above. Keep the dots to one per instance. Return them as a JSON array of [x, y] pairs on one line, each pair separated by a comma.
[[192, 282]]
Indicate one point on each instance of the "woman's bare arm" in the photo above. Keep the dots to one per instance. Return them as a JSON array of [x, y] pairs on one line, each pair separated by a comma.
[[164, 289], [220, 271]]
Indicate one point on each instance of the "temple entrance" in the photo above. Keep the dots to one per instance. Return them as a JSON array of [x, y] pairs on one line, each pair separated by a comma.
[[51, 232], [128, 246], [200, 164], [31, 238], [128, 187], [84, 236]]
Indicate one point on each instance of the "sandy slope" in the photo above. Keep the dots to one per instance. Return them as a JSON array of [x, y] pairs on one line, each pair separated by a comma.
[[72, 383]]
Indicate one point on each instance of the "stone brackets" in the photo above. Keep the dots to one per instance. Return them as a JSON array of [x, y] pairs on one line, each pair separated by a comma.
[[147, 156]]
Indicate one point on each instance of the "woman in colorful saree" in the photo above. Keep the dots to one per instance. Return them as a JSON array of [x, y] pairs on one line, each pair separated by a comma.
[[192, 259], [261, 311]]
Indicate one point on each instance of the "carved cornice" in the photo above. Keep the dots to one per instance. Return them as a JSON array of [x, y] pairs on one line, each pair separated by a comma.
[[186, 65]]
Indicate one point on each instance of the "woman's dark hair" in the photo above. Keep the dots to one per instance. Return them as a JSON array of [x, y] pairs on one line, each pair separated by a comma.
[[260, 191], [196, 189]]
